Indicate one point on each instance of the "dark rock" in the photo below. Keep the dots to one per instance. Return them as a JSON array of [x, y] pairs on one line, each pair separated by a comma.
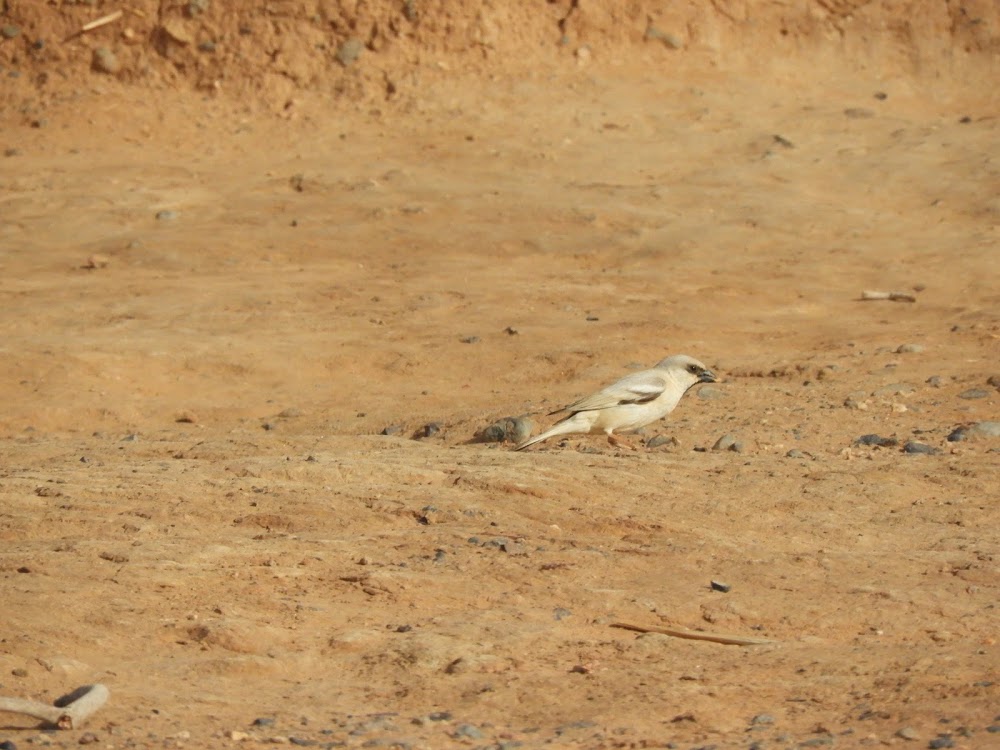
[[912, 446], [877, 440], [941, 741], [561, 613], [720, 586], [440, 716], [972, 393], [935, 381], [993, 380], [7, 745], [958, 434], [470, 339], [514, 429], [263, 722], [428, 430], [760, 719], [393, 429]]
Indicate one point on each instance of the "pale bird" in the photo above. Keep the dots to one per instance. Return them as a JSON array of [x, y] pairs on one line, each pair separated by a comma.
[[632, 402]]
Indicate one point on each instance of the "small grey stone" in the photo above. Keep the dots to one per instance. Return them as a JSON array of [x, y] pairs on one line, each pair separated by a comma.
[[349, 51], [263, 721], [711, 393], [941, 741], [796, 453], [762, 719], [393, 429], [972, 393], [470, 339], [104, 60], [720, 586], [935, 381], [197, 7], [166, 215], [440, 716], [725, 443], [908, 733], [9, 31], [469, 731], [206, 46], [657, 440], [514, 429], [912, 446], [877, 440], [993, 380], [895, 389], [909, 349], [561, 613], [986, 429], [958, 434]]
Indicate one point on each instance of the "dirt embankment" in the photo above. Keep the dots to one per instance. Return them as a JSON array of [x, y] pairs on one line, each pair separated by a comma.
[[271, 49]]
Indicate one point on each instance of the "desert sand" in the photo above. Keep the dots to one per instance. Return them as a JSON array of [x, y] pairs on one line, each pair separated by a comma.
[[258, 302]]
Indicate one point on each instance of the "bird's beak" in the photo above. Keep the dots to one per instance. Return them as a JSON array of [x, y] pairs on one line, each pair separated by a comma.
[[707, 376]]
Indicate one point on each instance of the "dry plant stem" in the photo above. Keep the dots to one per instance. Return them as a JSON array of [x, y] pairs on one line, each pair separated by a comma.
[[70, 716], [102, 21], [729, 640], [894, 296]]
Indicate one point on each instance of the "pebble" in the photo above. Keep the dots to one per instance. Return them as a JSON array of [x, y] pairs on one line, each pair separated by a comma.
[[762, 719], [909, 349], [877, 440], [711, 393], [981, 429], [941, 741], [935, 381], [912, 446], [514, 429], [7, 745], [858, 113], [470, 339], [393, 429], [657, 440], [88, 738], [993, 380], [560, 613], [728, 443], [349, 51], [428, 430], [469, 731], [974, 393], [104, 60], [796, 453], [10, 31], [263, 721], [720, 586], [895, 389], [908, 733], [166, 215]]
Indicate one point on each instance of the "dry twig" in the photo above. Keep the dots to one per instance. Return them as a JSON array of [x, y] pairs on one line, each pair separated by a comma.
[[102, 21], [869, 294], [693, 635]]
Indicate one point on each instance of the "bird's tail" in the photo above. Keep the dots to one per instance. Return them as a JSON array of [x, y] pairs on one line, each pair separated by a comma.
[[562, 427]]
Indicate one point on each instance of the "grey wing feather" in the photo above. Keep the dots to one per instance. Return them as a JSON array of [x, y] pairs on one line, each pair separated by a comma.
[[639, 388]]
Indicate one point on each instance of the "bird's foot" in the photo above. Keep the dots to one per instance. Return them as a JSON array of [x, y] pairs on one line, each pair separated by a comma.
[[619, 443]]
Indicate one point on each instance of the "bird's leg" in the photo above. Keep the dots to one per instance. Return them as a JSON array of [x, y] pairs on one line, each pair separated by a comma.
[[613, 440]]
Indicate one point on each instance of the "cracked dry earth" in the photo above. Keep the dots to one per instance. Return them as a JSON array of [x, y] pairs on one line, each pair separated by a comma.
[[197, 508]]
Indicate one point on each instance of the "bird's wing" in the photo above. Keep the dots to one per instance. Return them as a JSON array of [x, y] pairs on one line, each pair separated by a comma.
[[640, 388]]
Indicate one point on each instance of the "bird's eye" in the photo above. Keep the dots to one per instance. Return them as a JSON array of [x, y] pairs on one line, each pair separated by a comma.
[[693, 368]]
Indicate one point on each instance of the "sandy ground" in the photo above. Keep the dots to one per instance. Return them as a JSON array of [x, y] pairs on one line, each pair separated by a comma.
[[209, 317]]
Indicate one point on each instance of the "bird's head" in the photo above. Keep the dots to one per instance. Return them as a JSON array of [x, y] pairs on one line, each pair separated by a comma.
[[687, 370]]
